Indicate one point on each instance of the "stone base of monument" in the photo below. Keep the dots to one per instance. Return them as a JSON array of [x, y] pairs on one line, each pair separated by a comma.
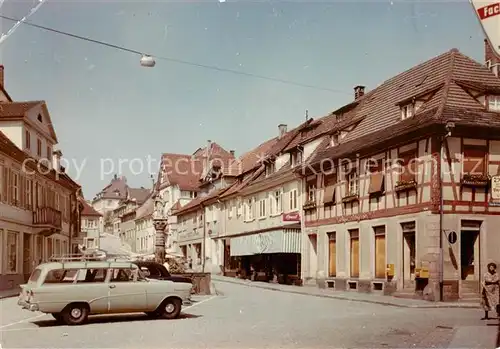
[[201, 282]]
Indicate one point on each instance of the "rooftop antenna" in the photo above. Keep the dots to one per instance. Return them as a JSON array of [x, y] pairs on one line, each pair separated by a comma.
[[307, 114]]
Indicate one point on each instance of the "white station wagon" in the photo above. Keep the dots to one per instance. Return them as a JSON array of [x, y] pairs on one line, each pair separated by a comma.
[[71, 291]]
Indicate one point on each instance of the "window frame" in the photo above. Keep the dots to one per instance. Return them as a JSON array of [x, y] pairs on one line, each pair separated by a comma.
[[16, 252], [481, 150], [293, 204], [496, 103]]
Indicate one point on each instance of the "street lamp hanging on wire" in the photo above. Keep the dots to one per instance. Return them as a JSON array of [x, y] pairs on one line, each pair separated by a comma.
[[147, 61]]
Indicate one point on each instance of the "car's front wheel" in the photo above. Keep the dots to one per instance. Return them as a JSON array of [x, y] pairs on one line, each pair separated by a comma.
[[170, 308], [75, 314]]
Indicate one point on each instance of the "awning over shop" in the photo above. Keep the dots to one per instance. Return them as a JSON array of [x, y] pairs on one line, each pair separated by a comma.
[[276, 241]]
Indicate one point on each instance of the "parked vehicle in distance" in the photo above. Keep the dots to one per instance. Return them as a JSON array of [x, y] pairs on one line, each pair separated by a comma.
[[155, 270], [71, 291]]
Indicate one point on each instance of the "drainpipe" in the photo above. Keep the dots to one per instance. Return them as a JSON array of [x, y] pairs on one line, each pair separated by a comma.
[[204, 238], [449, 127]]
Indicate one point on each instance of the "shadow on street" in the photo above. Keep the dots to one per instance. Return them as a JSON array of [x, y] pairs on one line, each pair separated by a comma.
[[113, 318]]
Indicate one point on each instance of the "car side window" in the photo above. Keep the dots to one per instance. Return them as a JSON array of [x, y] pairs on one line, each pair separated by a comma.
[[61, 276], [123, 275], [92, 275]]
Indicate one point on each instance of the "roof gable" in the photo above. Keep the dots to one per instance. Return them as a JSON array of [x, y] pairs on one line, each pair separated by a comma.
[[39, 116]]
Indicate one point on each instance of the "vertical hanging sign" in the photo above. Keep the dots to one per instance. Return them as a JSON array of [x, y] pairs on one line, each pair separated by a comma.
[[495, 191], [488, 13]]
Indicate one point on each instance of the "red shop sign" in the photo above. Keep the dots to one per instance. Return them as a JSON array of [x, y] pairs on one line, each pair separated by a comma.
[[291, 217]]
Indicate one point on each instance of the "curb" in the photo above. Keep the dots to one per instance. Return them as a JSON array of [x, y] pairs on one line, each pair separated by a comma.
[[371, 301]]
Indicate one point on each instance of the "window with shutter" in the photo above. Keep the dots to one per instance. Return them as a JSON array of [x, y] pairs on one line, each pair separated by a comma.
[[332, 254], [377, 178], [474, 160], [354, 252], [2, 185], [408, 166], [329, 193]]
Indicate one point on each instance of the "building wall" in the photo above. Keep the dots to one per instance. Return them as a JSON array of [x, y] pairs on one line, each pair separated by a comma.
[[236, 223], [463, 205], [16, 220], [392, 226], [142, 240], [14, 131]]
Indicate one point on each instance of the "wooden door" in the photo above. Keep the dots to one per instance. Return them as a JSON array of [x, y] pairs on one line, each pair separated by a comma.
[[380, 256], [332, 255], [354, 257]]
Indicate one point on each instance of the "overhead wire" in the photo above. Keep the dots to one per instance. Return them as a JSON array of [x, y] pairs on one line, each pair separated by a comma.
[[170, 59], [11, 31]]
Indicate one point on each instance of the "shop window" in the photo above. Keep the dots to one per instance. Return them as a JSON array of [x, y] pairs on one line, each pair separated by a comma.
[[380, 252], [12, 253], [332, 254], [354, 252], [50, 248]]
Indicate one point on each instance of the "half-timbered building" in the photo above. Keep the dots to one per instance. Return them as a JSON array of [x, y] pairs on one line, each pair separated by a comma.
[[403, 198]]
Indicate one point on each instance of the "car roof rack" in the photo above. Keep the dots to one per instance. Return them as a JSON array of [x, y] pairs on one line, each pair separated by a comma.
[[94, 255]]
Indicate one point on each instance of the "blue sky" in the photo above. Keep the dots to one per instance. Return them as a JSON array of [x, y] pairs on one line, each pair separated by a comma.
[[106, 106]]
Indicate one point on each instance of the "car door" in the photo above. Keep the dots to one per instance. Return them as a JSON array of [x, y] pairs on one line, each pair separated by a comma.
[[93, 289], [126, 293]]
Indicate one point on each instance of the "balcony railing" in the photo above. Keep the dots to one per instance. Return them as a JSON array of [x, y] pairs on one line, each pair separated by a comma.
[[47, 216]]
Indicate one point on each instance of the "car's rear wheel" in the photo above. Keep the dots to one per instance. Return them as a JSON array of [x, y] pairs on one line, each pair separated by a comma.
[[170, 308], [75, 314]]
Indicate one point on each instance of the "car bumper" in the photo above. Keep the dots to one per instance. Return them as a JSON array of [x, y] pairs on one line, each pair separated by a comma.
[[28, 306]]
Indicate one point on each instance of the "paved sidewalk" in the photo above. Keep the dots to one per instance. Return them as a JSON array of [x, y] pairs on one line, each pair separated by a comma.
[[346, 295], [10, 293]]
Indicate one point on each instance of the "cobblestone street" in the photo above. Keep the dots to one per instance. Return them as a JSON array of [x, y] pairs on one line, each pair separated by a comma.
[[250, 317]]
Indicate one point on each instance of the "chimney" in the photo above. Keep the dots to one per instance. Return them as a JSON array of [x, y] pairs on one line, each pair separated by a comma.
[[359, 91], [1, 75], [231, 152], [56, 160], [281, 130]]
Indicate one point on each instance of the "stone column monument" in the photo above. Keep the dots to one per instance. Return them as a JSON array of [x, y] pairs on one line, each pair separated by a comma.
[[160, 221]]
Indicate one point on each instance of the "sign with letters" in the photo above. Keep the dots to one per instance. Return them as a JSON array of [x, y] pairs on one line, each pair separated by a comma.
[[495, 191], [291, 217], [488, 13]]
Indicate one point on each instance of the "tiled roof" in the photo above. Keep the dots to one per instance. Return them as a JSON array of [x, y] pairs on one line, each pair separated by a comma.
[[249, 160], [146, 209], [139, 194], [186, 171], [117, 189], [10, 149], [443, 78], [88, 210], [198, 201], [182, 170], [17, 109]]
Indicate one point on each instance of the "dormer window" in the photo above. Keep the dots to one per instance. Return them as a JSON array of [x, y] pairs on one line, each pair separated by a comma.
[[39, 117], [494, 103], [270, 169], [407, 111], [296, 158], [334, 140]]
